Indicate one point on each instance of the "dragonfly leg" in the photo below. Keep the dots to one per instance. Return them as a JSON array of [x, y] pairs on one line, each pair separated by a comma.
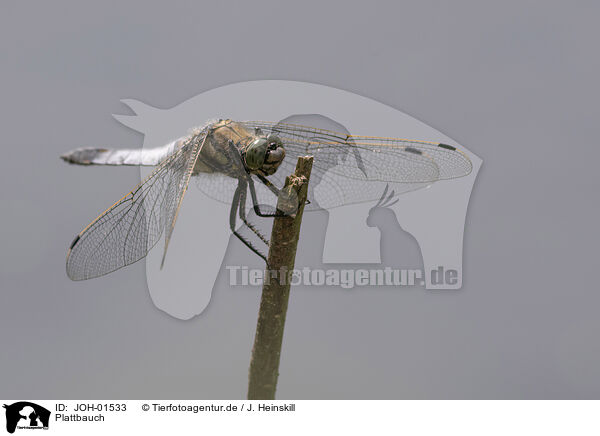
[[235, 204], [274, 189], [242, 211], [257, 210]]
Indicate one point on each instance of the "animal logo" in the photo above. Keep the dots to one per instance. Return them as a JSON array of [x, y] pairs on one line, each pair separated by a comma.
[[427, 234], [27, 415], [398, 247]]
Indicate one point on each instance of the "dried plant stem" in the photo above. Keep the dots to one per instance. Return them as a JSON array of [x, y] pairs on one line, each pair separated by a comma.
[[264, 364]]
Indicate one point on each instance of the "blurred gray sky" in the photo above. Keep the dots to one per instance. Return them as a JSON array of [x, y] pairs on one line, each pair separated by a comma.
[[515, 82]]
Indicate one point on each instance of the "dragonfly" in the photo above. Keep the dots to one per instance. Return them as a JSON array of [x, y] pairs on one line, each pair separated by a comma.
[[231, 159]]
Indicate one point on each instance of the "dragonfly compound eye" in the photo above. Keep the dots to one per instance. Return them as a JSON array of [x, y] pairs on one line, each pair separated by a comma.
[[275, 155], [256, 153], [274, 142]]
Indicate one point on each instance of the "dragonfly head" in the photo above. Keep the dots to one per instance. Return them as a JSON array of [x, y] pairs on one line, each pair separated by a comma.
[[264, 155]]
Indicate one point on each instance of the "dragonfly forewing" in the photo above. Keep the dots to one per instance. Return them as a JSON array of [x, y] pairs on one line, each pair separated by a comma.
[[351, 169], [126, 231]]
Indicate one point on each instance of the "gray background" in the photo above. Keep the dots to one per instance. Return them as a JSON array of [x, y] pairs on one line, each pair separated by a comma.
[[516, 83]]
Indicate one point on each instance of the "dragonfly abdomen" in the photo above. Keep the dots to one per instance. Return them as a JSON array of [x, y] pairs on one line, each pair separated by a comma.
[[138, 157]]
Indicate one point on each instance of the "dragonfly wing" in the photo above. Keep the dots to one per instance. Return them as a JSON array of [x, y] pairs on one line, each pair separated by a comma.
[[127, 230], [352, 169], [196, 144], [452, 162]]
